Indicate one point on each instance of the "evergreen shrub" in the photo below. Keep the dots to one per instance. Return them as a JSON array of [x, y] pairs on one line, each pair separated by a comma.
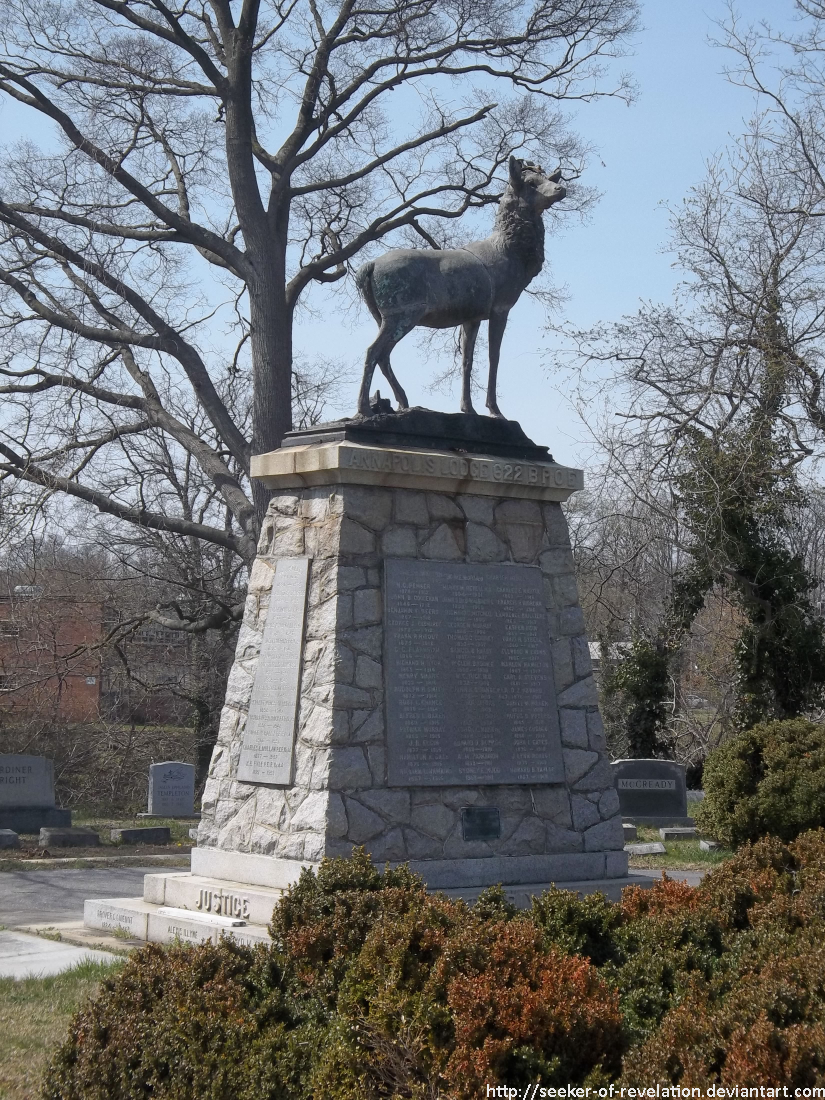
[[767, 781], [372, 988]]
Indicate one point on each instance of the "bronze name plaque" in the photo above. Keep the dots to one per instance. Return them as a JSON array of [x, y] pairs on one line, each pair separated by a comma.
[[469, 678]]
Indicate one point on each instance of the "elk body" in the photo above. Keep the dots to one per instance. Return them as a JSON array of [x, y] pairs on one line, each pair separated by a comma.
[[447, 287]]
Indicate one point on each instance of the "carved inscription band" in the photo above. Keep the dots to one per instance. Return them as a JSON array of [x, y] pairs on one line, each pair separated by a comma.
[[268, 739], [539, 474], [470, 691]]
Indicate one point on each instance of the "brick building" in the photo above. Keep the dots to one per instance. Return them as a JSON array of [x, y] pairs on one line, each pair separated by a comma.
[[49, 668], [45, 667]]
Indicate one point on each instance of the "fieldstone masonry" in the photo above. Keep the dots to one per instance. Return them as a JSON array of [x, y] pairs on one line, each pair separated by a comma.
[[340, 796], [340, 512]]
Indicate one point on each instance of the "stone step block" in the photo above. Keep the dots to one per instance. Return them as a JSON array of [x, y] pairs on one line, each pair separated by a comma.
[[655, 848], [201, 894], [158, 834], [68, 838], [678, 832], [9, 839], [166, 928], [136, 919], [118, 916]]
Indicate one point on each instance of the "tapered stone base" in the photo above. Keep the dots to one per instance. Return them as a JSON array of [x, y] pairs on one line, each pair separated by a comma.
[[350, 509], [341, 514]]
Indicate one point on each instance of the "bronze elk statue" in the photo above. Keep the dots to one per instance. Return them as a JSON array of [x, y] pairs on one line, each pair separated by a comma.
[[447, 287]]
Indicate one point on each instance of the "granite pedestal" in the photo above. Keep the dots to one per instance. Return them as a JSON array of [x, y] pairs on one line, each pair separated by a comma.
[[412, 675]]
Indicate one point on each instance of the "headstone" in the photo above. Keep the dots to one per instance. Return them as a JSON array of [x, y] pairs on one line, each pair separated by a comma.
[[171, 789], [652, 792], [9, 839], [470, 691], [655, 848], [68, 838], [27, 794], [678, 832], [159, 834], [26, 781], [269, 735]]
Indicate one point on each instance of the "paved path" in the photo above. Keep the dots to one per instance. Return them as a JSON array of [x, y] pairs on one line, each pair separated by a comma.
[[692, 878], [49, 897], [23, 956]]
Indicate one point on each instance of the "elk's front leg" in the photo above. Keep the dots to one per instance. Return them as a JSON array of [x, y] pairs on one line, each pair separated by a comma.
[[498, 323], [469, 332]]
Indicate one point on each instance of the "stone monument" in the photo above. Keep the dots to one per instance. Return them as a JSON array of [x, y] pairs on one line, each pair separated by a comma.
[[412, 675], [652, 792], [27, 802]]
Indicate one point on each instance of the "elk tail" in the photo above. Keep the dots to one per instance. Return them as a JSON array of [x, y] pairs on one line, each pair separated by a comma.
[[363, 280]]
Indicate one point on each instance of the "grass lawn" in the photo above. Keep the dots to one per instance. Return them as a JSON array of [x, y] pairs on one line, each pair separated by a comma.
[[681, 855], [34, 1016]]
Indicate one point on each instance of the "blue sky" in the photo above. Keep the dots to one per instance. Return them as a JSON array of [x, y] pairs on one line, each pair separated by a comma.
[[648, 155]]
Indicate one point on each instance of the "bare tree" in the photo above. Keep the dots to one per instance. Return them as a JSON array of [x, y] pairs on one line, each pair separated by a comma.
[[721, 410], [207, 163]]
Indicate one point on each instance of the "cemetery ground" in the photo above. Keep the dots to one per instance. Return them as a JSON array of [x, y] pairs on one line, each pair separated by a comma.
[[30, 856], [34, 1016], [679, 855]]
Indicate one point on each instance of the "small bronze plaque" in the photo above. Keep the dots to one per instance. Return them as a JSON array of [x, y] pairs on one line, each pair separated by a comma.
[[481, 823]]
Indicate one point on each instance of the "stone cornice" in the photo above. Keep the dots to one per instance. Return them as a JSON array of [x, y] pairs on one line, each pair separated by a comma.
[[432, 471]]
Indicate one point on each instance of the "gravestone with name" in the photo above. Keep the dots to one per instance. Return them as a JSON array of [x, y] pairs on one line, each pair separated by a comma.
[[27, 801], [171, 789], [411, 675], [652, 792]]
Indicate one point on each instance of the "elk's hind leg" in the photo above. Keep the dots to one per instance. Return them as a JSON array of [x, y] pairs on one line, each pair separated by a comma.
[[395, 385], [469, 332], [392, 330]]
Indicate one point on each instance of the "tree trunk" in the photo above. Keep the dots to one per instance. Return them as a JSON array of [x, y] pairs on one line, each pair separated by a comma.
[[271, 341]]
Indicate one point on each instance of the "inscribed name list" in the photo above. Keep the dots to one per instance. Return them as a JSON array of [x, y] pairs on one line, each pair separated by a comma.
[[267, 745], [469, 676]]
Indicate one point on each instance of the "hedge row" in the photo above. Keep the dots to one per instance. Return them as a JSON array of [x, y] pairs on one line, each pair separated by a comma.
[[373, 988]]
